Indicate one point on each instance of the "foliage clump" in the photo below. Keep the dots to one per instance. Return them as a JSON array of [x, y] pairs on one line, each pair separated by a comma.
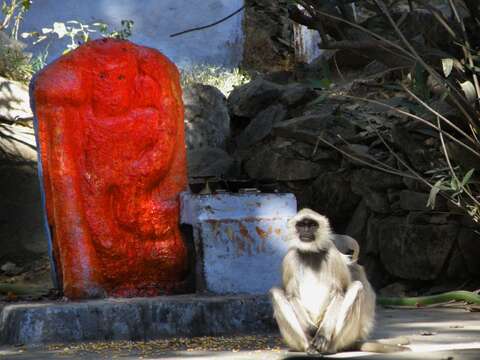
[[433, 49], [15, 64], [224, 79]]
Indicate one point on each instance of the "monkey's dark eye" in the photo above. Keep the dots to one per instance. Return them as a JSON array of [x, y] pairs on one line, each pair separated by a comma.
[[308, 223], [349, 252]]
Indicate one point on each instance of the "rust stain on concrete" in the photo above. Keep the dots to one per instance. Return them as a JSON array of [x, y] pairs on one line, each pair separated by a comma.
[[250, 242]]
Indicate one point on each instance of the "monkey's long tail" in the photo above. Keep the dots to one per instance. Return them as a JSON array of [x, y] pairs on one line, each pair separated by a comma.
[[460, 295]]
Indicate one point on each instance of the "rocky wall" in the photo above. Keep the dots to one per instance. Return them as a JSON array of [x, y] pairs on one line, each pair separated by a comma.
[[276, 144]]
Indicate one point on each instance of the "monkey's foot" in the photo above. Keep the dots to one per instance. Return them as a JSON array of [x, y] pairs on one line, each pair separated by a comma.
[[312, 350], [321, 344]]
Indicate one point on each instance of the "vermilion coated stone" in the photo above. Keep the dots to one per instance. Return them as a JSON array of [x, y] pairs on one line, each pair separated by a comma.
[[111, 134]]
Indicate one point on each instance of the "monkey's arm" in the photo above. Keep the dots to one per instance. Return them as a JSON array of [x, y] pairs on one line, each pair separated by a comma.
[[342, 299], [326, 327], [288, 275], [291, 292]]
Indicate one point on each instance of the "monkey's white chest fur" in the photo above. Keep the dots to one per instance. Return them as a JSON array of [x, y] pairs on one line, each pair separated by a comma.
[[314, 292]]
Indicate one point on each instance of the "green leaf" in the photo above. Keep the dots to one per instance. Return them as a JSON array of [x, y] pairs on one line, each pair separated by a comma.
[[467, 177], [432, 197], [320, 84], [26, 4], [420, 81], [454, 185], [469, 90], [60, 29], [447, 65]]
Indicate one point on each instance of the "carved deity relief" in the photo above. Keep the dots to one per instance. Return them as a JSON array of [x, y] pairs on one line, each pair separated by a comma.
[[111, 136]]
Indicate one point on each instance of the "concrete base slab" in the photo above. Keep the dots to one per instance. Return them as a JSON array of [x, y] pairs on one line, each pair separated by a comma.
[[134, 319], [438, 333]]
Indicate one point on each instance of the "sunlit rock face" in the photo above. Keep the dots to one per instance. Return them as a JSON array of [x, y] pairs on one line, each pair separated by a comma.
[[110, 126]]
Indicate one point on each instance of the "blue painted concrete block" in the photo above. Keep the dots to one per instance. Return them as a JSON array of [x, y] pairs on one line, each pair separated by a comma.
[[242, 237]]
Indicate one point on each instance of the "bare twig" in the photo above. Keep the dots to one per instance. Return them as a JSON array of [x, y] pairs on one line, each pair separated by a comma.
[[423, 121], [439, 17], [416, 175], [456, 95], [209, 25], [436, 113], [466, 48], [358, 159], [452, 171], [390, 43]]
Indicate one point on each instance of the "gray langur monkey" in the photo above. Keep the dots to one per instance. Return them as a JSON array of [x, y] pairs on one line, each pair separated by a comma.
[[326, 303]]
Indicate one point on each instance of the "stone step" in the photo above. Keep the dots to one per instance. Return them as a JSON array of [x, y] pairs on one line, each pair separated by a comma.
[[135, 319]]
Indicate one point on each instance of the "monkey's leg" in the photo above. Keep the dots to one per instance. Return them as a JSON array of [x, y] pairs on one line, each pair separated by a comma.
[[290, 327], [348, 326], [340, 327], [322, 341], [308, 326]]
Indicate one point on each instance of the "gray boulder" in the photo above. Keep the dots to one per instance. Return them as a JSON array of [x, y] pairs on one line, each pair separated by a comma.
[[357, 225], [270, 165], [308, 129], [14, 101], [331, 195], [261, 125], [209, 162], [469, 244], [207, 123], [248, 100], [417, 201], [457, 267], [18, 143], [297, 94], [375, 180], [411, 251]]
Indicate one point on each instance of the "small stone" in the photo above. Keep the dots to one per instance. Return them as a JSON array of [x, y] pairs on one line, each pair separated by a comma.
[[394, 290], [11, 269]]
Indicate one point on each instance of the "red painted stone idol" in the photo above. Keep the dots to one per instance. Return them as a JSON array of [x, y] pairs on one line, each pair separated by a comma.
[[110, 127]]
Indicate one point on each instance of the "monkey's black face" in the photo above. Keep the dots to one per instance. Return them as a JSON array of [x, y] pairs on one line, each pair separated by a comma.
[[307, 229]]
